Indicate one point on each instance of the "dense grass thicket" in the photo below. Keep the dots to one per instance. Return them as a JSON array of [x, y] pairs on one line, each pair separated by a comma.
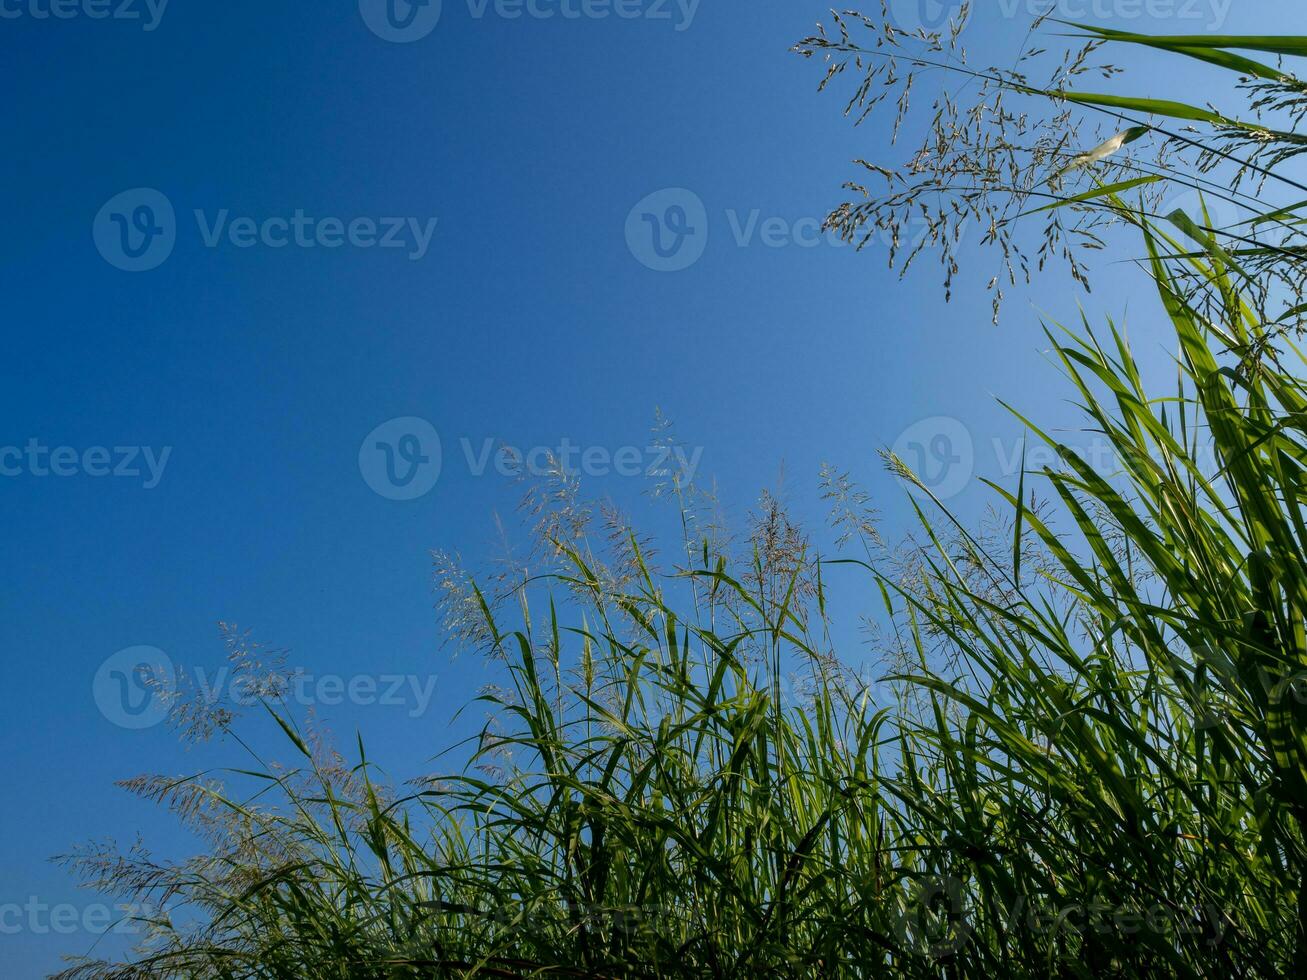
[[1087, 756]]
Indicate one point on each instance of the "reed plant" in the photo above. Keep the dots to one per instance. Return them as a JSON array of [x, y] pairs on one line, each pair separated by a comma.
[[1085, 754]]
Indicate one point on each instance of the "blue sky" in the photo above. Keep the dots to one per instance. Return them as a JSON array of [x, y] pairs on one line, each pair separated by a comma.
[[441, 220]]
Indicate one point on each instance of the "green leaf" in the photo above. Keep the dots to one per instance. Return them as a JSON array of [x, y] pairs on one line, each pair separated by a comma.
[[1208, 48], [1156, 107], [1104, 191]]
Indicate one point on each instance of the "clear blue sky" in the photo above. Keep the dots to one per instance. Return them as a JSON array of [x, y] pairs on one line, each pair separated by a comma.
[[530, 314]]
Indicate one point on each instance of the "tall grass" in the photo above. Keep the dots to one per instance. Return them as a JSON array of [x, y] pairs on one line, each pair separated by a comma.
[[1089, 758]]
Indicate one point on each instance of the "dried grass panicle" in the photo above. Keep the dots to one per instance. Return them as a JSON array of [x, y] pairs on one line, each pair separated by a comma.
[[1003, 142], [852, 513], [461, 608], [200, 708]]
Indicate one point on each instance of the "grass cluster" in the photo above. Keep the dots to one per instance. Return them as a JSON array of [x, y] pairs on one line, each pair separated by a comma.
[[1091, 760]]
